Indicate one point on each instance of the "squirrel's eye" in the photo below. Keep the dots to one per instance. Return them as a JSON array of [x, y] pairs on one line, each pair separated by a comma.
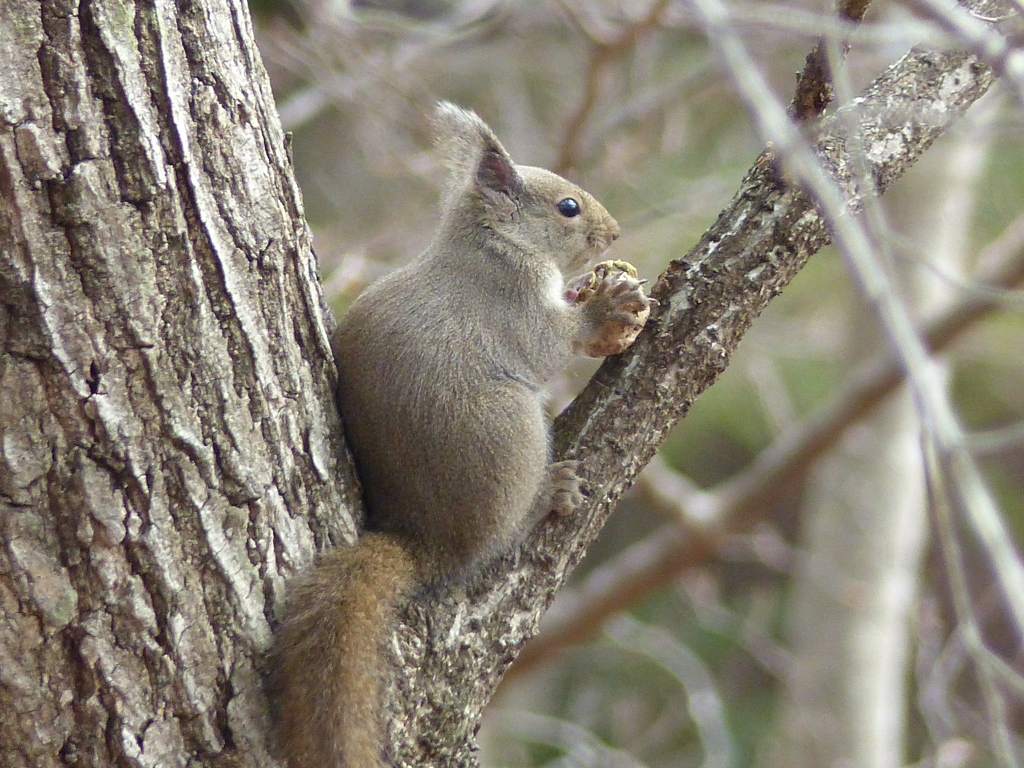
[[569, 208]]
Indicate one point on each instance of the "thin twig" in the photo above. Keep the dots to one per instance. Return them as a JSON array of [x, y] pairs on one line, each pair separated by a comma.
[[943, 498], [936, 414], [814, 90]]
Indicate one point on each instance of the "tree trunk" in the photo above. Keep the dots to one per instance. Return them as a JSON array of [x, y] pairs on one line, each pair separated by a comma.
[[170, 449]]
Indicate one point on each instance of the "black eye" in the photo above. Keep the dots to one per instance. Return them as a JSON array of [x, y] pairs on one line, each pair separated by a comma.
[[569, 208]]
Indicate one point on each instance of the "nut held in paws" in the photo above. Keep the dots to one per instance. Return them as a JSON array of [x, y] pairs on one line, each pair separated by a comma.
[[615, 282]]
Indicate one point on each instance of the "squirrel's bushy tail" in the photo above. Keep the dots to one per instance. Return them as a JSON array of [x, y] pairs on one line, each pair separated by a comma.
[[329, 660]]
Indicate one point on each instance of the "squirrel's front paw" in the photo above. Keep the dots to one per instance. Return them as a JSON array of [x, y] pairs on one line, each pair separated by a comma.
[[615, 301]]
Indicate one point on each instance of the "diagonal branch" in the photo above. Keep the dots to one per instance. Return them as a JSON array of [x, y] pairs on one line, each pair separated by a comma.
[[740, 503], [708, 298]]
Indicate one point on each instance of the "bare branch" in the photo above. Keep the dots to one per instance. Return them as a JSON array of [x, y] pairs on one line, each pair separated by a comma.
[[708, 299]]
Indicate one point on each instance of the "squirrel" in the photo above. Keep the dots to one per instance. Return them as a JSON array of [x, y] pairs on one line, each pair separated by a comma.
[[441, 367]]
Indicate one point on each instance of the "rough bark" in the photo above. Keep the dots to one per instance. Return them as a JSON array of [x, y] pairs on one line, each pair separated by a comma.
[[170, 450], [169, 445]]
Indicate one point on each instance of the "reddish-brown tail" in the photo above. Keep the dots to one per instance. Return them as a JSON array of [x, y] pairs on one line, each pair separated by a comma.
[[330, 659]]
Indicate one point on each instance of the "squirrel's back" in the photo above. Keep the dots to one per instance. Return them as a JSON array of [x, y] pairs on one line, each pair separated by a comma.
[[448, 437]]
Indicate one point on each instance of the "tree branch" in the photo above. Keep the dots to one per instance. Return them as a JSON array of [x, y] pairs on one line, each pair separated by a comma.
[[740, 503], [708, 298]]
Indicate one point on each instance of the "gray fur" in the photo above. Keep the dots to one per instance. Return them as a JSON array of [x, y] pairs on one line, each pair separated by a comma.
[[442, 366]]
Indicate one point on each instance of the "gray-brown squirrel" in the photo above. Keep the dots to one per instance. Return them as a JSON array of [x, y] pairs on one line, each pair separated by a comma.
[[441, 371]]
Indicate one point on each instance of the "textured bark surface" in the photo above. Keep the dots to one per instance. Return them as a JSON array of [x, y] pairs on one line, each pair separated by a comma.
[[169, 444], [170, 450]]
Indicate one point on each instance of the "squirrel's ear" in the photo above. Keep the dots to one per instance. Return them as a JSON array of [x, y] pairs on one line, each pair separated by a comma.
[[497, 172], [470, 148]]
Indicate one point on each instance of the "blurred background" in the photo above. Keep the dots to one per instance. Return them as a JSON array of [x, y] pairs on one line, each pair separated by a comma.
[[833, 609]]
